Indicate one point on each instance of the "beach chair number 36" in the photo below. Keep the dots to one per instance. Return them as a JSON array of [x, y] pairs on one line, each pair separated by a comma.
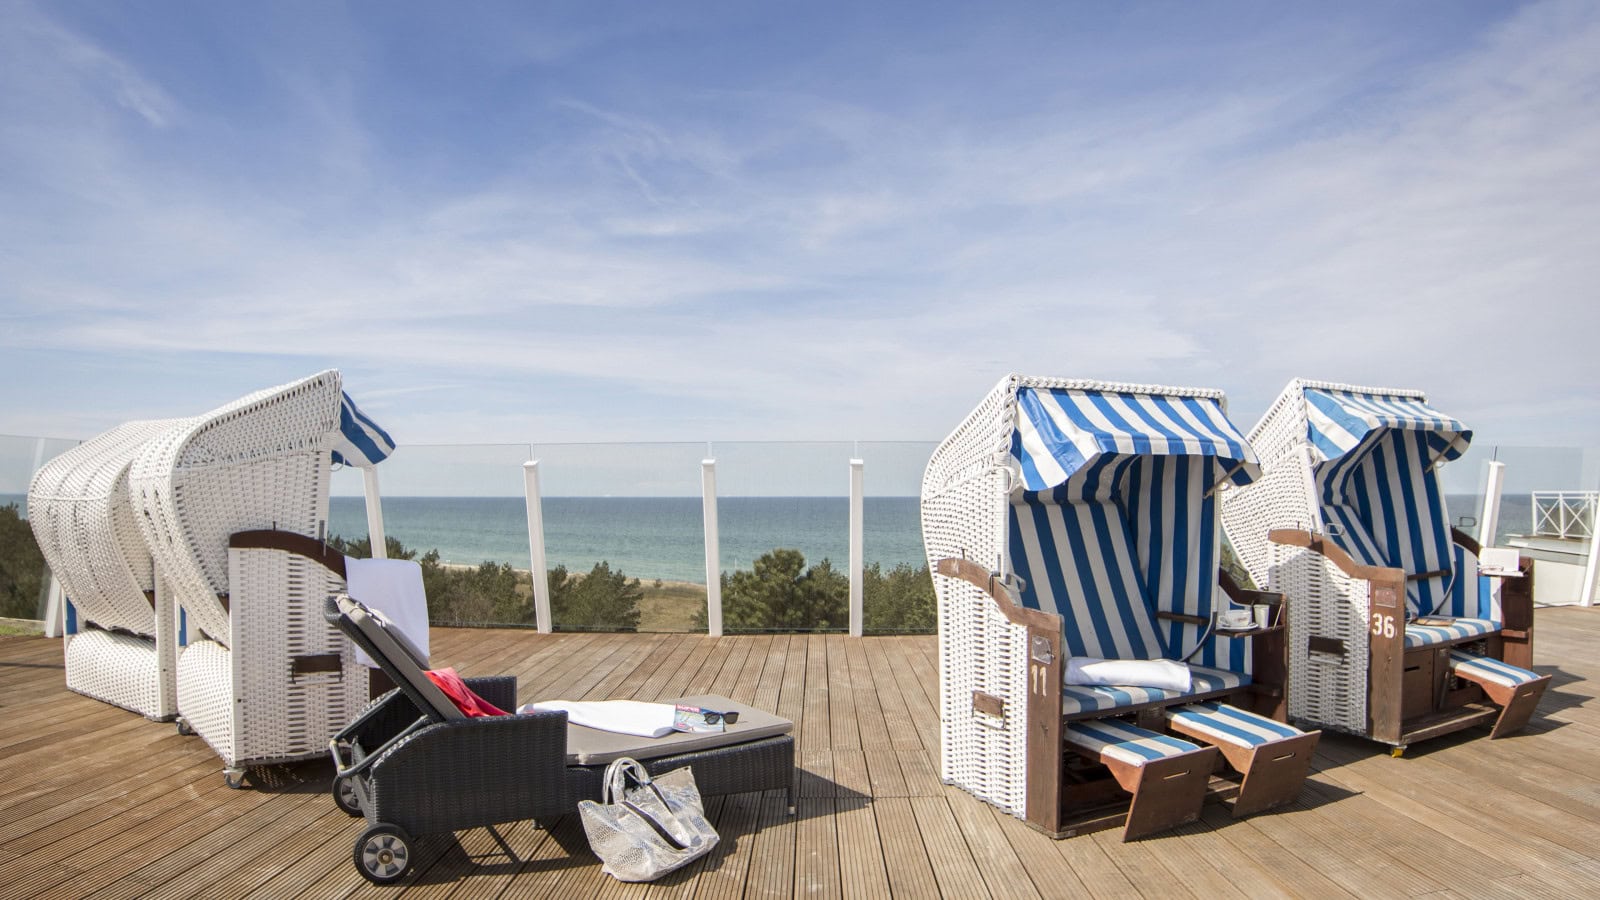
[[1383, 625]]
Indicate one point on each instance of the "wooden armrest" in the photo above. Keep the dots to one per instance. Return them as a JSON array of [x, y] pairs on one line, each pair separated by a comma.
[[972, 573], [289, 542], [1181, 617], [1335, 554]]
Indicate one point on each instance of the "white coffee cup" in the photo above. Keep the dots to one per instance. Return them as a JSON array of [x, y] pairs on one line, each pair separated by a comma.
[[1263, 615], [1235, 619]]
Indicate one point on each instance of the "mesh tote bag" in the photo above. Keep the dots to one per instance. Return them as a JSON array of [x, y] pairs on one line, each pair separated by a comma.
[[643, 828]]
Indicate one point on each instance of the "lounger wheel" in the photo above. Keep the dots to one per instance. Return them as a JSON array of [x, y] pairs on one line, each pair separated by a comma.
[[184, 728], [344, 796], [233, 777], [383, 854]]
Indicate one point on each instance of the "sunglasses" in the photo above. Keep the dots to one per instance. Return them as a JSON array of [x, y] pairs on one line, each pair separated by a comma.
[[713, 717]]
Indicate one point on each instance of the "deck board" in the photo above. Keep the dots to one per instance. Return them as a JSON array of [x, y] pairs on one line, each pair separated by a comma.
[[99, 802]]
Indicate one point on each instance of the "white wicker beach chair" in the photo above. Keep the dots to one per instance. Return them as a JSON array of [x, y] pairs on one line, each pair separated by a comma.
[[1394, 633], [121, 644], [264, 678], [1079, 519]]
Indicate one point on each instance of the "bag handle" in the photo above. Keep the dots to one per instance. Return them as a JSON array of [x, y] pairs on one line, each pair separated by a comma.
[[655, 826], [616, 781]]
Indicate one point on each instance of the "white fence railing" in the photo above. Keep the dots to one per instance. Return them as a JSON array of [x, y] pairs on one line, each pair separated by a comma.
[[1565, 514]]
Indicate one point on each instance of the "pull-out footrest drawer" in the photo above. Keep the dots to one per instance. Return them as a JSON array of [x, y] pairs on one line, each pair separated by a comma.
[[1166, 776], [1273, 757], [1514, 689]]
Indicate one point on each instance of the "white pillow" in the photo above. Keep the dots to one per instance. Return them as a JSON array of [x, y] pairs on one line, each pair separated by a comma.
[[1151, 673]]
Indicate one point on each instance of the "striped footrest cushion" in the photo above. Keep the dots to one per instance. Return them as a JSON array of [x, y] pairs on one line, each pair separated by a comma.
[[1482, 668], [1460, 629], [1230, 724], [1118, 740]]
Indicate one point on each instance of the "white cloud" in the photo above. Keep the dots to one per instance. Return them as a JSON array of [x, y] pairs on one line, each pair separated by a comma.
[[777, 262]]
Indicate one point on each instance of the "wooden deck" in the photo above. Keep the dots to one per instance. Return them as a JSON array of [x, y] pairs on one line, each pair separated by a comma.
[[95, 801]]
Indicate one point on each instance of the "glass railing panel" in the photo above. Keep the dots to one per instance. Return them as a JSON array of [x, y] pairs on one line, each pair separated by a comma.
[[625, 535], [1531, 475], [24, 578], [897, 591], [459, 510], [783, 511]]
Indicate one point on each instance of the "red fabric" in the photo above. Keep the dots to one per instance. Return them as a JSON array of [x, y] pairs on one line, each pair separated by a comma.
[[461, 695]]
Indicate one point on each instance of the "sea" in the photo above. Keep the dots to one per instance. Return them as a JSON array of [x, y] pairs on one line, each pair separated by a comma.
[[644, 537], [663, 537]]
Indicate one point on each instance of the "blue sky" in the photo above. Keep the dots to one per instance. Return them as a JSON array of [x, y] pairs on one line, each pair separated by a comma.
[[780, 221]]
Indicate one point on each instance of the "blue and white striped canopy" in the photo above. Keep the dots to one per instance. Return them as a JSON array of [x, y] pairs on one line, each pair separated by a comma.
[[1338, 421], [1378, 493], [1061, 431], [360, 441], [1116, 518]]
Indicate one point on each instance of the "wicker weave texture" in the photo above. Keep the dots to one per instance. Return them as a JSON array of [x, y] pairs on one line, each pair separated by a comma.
[[205, 695], [84, 524], [964, 494], [120, 669], [259, 462], [1327, 690]]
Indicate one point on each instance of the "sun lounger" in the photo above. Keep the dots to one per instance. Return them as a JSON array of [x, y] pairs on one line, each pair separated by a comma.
[[414, 764], [1386, 599], [1079, 519]]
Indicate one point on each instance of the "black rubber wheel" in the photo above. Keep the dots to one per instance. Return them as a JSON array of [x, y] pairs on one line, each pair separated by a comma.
[[233, 778], [344, 796], [183, 727], [383, 854]]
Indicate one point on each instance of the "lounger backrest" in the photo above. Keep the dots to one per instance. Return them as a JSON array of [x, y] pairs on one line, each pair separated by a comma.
[[398, 657]]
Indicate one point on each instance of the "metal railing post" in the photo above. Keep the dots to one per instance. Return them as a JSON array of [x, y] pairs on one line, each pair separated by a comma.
[[537, 567], [857, 547], [375, 533], [708, 491], [1587, 596], [1489, 522]]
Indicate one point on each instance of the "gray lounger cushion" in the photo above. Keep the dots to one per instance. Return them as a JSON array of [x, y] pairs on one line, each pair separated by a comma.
[[593, 747]]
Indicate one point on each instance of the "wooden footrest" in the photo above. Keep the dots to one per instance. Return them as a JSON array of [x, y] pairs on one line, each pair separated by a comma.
[[1166, 776], [1273, 757], [1514, 689]]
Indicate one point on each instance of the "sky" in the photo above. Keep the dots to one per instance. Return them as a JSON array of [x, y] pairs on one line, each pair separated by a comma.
[[587, 222]]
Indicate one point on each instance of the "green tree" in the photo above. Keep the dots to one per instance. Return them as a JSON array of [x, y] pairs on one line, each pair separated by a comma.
[[780, 594], [22, 570], [361, 548], [900, 601], [602, 599]]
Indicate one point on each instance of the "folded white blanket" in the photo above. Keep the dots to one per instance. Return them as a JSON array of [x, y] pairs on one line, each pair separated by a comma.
[[622, 716], [1153, 673]]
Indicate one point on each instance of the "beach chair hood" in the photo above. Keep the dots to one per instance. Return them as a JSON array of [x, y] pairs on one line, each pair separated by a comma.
[[1374, 452], [1113, 514]]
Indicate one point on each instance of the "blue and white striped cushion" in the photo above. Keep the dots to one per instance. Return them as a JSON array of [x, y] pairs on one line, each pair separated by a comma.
[[1231, 724], [1482, 668], [1077, 698], [1110, 738], [1460, 629]]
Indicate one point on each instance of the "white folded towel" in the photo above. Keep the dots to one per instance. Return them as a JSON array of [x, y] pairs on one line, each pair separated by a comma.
[[392, 587], [1152, 673], [622, 716]]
